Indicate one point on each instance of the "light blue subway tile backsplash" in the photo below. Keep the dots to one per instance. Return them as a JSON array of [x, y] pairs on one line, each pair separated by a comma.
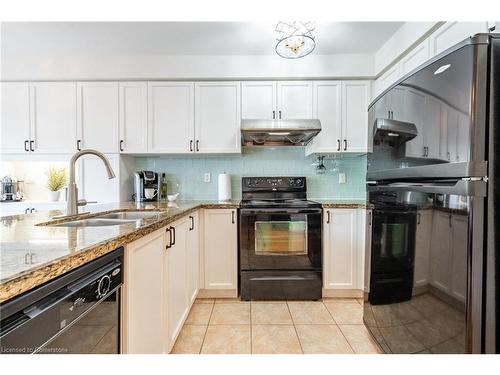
[[188, 171]]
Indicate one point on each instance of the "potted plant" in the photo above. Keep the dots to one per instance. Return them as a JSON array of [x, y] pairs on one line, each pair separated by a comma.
[[56, 180]]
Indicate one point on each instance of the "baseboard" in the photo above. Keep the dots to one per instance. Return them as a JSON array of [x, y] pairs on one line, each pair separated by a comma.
[[218, 293], [342, 293]]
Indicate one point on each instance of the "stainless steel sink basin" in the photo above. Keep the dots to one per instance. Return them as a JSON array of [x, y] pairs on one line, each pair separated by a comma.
[[94, 222], [130, 215]]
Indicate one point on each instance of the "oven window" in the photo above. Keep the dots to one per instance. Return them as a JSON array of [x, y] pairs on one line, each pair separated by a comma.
[[394, 241], [280, 237]]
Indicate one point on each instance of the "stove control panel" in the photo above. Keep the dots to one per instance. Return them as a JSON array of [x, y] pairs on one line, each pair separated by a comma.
[[273, 182]]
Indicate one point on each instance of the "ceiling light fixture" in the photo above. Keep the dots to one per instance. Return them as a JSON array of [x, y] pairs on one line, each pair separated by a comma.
[[294, 39]]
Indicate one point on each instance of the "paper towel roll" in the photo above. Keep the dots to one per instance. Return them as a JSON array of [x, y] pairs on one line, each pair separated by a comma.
[[224, 187]]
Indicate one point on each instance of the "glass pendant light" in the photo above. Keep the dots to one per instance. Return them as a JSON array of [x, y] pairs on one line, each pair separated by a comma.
[[294, 39]]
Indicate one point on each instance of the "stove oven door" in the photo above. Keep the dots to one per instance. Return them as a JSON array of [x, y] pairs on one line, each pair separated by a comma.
[[280, 239]]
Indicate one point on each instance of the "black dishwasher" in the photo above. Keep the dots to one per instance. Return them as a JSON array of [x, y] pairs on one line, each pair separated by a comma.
[[77, 313]]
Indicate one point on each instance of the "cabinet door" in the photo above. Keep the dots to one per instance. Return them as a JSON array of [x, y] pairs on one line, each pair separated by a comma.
[[422, 248], [177, 300], [53, 117], [295, 100], [258, 100], [133, 117], [93, 181], [387, 79], [452, 33], [459, 244], [355, 100], [415, 111], [340, 251], [15, 121], [220, 249], [144, 314], [416, 57], [98, 116], [193, 257], [218, 117], [463, 138], [397, 101], [451, 134], [170, 117], [441, 252], [327, 105], [432, 128]]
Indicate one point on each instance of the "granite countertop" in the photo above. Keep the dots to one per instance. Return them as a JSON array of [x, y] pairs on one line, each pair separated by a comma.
[[32, 254], [342, 203]]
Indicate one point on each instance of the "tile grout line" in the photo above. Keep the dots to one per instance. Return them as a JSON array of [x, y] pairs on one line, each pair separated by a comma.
[[295, 328], [340, 329], [206, 329]]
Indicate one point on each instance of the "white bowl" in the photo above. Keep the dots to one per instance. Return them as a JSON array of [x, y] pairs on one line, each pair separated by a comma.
[[172, 197]]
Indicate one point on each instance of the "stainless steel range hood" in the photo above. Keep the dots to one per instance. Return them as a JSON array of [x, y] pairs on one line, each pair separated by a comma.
[[278, 132], [393, 132]]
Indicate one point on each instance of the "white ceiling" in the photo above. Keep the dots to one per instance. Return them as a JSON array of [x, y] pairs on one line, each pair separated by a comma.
[[180, 38]]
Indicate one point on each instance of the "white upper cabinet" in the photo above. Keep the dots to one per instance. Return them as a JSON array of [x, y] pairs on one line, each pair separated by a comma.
[[53, 117], [327, 107], [258, 100], [98, 116], [217, 117], [133, 117], [415, 111], [355, 100], [433, 125], [171, 117], [15, 121], [416, 57], [452, 33], [295, 100], [387, 79]]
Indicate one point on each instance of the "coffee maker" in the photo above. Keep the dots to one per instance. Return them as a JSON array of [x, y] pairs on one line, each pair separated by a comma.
[[11, 190], [146, 186]]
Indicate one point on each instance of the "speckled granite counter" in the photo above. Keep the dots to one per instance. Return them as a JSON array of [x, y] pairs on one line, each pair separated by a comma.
[[31, 255], [342, 203]]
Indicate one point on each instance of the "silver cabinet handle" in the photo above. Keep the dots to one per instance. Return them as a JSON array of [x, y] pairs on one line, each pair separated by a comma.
[[121, 144], [197, 145], [191, 145]]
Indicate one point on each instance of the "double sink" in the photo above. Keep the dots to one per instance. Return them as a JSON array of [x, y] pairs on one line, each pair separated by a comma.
[[109, 219]]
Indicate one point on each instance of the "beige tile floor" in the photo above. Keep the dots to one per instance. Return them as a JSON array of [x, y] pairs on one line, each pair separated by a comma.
[[222, 326]]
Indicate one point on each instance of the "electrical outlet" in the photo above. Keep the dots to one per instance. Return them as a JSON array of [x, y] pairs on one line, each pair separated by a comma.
[[341, 178], [206, 177]]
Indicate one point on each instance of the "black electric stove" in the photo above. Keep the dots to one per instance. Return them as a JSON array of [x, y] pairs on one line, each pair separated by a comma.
[[280, 240]]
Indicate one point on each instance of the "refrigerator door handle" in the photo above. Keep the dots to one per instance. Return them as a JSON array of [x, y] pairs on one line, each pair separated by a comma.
[[467, 187]]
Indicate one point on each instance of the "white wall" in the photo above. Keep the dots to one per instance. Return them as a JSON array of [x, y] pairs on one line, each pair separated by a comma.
[[186, 67]]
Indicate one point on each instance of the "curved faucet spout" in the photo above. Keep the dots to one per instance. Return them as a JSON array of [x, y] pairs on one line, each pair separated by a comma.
[[72, 198]]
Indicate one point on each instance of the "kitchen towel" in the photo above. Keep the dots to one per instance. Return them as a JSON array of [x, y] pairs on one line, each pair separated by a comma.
[[224, 187]]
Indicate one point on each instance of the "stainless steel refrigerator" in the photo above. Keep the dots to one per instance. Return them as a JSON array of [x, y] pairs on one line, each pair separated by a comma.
[[432, 272]]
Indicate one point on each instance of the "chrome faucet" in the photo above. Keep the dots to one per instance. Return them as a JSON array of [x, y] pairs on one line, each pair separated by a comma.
[[72, 198]]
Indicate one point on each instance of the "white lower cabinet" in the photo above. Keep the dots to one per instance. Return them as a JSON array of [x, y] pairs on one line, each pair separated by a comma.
[[220, 253], [144, 296], [343, 249], [422, 248], [178, 303], [193, 257], [449, 278]]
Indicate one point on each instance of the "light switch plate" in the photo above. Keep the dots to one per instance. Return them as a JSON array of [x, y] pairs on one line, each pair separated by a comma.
[[341, 178], [206, 177]]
